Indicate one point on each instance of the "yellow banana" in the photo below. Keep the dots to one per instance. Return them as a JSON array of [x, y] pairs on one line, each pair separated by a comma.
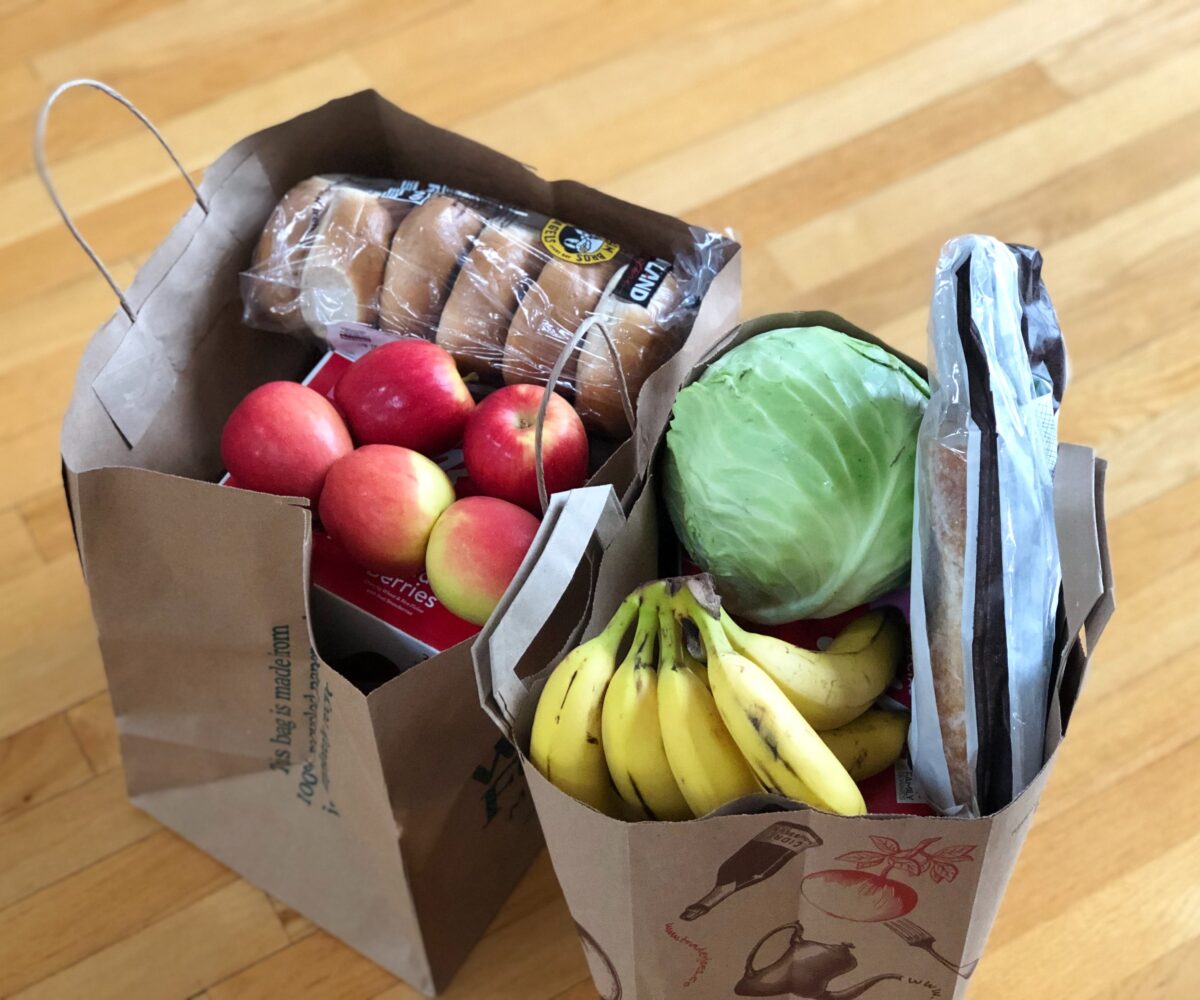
[[565, 744], [633, 741], [833, 687], [783, 750], [706, 763], [870, 744]]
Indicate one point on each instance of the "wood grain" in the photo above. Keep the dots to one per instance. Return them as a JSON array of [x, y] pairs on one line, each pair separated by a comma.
[[843, 143]]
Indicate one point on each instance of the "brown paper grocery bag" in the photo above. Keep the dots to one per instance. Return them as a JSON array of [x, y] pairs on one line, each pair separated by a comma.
[[767, 898], [398, 820]]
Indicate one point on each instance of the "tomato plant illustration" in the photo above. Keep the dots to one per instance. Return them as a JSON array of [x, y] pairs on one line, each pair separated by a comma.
[[863, 895]]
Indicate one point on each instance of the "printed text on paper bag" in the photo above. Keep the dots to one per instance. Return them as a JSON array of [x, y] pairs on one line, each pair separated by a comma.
[[301, 710]]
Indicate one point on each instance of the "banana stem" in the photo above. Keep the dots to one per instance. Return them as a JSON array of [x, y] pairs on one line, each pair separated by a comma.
[[713, 635], [610, 638], [646, 634], [668, 635]]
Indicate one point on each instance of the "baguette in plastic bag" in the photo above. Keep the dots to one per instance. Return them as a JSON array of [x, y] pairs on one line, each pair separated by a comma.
[[986, 570]]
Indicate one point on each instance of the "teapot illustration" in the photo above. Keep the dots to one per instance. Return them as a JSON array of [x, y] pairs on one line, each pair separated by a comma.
[[805, 969]]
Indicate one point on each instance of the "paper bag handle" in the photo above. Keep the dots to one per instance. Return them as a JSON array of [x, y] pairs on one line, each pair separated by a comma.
[[604, 324], [39, 157], [575, 522]]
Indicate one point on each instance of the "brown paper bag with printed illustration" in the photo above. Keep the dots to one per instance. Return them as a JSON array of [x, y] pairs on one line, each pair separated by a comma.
[[767, 898]]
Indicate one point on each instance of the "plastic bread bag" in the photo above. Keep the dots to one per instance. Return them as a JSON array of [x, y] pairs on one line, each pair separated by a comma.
[[986, 569], [354, 262]]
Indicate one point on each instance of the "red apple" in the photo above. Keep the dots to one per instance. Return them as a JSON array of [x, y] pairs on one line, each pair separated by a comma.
[[282, 438], [498, 446], [407, 393], [474, 552], [380, 503]]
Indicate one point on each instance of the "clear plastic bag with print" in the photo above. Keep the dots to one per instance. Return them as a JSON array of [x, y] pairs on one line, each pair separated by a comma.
[[986, 569], [513, 295]]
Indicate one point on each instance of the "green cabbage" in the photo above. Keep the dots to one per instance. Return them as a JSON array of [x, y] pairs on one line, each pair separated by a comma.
[[789, 472]]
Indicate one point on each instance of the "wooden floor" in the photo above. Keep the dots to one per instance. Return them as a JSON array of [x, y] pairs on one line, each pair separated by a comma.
[[843, 143]]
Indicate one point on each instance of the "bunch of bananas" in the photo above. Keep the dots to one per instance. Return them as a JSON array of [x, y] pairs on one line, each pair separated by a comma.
[[699, 712]]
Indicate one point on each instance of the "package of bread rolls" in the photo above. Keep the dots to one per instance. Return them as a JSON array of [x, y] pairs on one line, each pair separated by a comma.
[[986, 571], [513, 295]]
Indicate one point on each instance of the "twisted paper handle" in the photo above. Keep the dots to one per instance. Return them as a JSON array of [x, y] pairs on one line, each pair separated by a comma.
[[604, 323], [39, 158]]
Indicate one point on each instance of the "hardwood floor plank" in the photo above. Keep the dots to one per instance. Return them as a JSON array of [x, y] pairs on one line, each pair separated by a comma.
[[460, 63], [1061, 871], [65, 835], [833, 178], [1164, 977], [178, 31], [33, 460], [48, 261], [37, 392], [1142, 551], [19, 89], [186, 70], [18, 548], [51, 596], [1052, 957], [1158, 456], [701, 171], [1161, 610], [1140, 386], [37, 26], [95, 728], [315, 968], [766, 288], [56, 669], [1092, 289], [1120, 731], [38, 763], [113, 899], [226, 930], [840, 243], [294, 924], [1149, 32], [48, 522], [712, 76], [1046, 216], [78, 306]]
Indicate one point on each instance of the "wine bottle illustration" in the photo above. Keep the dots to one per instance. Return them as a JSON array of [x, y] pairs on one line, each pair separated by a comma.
[[755, 861]]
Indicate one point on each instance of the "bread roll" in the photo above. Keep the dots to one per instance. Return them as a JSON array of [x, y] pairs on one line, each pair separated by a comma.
[[645, 334], [273, 284], [548, 317], [500, 267], [425, 254], [344, 265]]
